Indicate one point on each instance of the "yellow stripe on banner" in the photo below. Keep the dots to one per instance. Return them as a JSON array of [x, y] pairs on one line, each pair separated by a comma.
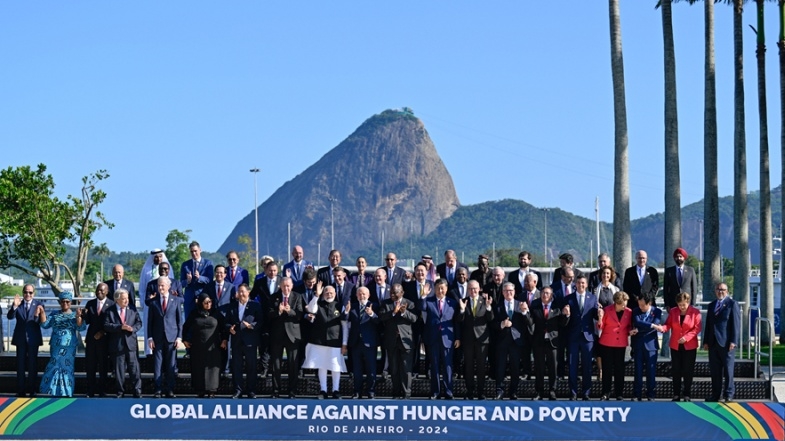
[[8, 414], [750, 420]]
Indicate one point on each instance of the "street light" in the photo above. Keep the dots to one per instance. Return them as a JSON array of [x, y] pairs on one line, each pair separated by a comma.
[[255, 171], [332, 223], [545, 248]]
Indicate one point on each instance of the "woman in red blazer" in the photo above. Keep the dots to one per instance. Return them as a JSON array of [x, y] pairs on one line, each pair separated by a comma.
[[615, 323], [685, 322]]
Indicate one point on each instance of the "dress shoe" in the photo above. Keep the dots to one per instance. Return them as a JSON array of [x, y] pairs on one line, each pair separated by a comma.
[[137, 394], [620, 398], [675, 398], [728, 400], [371, 395], [236, 395], [482, 397], [210, 395], [170, 394], [449, 397], [712, 400], [252, 396], [337, 395], [500, 396], [513, 397], [355, 396], [200, 395], [468, 397], [538, 398], [322, 395], [157, 394], [89, 396], [552, 396], [20, 394], [649, 399], [119, 395], [434, 397], [33, 394], [604, 398], [637, 399], [102, 395], [292, 395], [687, 398], [586, 398], [574, 397]]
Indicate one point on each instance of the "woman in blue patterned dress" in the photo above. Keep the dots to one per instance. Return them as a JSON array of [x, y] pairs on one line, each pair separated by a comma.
[[58, 379]]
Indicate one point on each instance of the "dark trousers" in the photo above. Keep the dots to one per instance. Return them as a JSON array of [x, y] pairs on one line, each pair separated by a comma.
[[364, 361], [26, 363], [97, 359], [164, 364], [580, 353], [264, 351], [526, 357], [475, 354], [417, 332], [645, 359], [612, 370], [683, 367], [400, 370], [545, 359], [721, 363], [276, 353], [441, 369], [244, 360], [508, 350], [130, 361]]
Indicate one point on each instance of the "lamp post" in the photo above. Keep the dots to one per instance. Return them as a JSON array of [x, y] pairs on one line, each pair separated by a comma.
[[545, 247], [255, 171], [332, 223]]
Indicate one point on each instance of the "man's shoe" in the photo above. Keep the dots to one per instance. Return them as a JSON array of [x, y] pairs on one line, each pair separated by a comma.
[[252, 396], [337, 395], [552, 396], [157, 394], [687, 398], [728, 400], [514, 397], [371, 395], [89, 396], [500, 396], [482, 397], [586, 398], [355, 396], [449, 397], [574, 397], [620, 398], [675, 398], [137, 395], [649, 399], [292, 395], [170, 394], [468, 397], [33, 394], [538, 397], [434, 397], [712, 400], [322, 395], [637, 399], [236, 395], [20, 394], [119, 395]]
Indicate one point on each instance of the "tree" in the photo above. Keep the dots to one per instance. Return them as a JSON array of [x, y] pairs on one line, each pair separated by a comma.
[[781, 46], [177, 249], [248, 255], [103, 252], [622, 240], [36, 225]]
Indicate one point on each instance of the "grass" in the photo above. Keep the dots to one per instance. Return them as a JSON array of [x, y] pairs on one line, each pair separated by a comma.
[[778, 355]]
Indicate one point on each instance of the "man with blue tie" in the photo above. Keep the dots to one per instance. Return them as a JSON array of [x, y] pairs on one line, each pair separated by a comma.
[[195, 275], [442, 336], [295, 269], [394, 273], [645, 344], [164, 336], [723, 322], [27, 338], [581, 333], [363, 342]]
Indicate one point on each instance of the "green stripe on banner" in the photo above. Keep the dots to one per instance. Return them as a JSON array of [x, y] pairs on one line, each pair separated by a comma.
[[32, 407], [53, 407], [731, 417], [712, 418]]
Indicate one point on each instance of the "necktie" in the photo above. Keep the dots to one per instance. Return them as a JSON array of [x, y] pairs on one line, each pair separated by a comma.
[[220, 291], [99, 308], [567, 290], [509, 310], [195, 267], [580, 301], [678, 274], [308, 295], [474, 307], [718, 306], [389, 275], [451, 275], [440, 306], [285, 300], [531, 297], [122, 315], [164, 302], [383, 293], [297, 271], [116, 285], [462, 292], [640, 275], [339, 291], [231, 275], [547, 310]]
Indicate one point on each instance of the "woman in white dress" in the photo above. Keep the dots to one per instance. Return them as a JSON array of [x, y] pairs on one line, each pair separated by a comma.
[[327, 340]]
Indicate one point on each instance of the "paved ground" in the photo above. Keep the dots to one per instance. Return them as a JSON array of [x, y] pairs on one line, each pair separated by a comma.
[[778, 383]]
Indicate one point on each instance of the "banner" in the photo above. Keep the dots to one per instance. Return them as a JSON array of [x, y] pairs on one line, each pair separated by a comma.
[[83, 418]]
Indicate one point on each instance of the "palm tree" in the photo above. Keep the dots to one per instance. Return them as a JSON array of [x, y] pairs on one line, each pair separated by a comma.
[[781, 46], [672, 180], [622, 242]]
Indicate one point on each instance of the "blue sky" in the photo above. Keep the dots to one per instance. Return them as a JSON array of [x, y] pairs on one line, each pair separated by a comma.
[[178, 100]]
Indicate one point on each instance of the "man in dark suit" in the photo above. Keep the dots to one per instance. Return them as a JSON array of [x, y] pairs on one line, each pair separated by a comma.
[[566, 286], [561, 293], [118, 281], [459, 290], [398, 315], [545, 321], [164, 270], [164, 336], [264, 287], [363, 342], [483, 273], [243, 317], [493, 290], [309, 289], [27, 339], [510, 321], [344, 290], [447, 269], [97, 341], [195, 275], [476, 316], [295, 268], [603, 261], [641, 279], [411, 292], [518, 278], [221, 291], [723, 326], [565, 261], [678, 278], [528, 295], [235, 274], [121, 324], [325, 273], [285, 314], [394, 273], [581, 333], [380, 290], [645, 344], [442, 336]]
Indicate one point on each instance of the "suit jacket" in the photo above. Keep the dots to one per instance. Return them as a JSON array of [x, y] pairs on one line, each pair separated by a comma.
[[441, 327], [297, 276], [475, 325], [646, 338], [175, 289], [481, 277], [27, 330], [455, 291], [126, 285], [164, 327], [95, 321], [397, 327], [253, 315], [524, 297], [441, 269], [364, 329], [559, 296], [722, 326], [397, 277], [410, 291], [121, 341], [347, 294], [545, 330], [286, 325], [325, 275], [671, 287], [240, 276], [261, 289], [366, 278], [205, 268], [594, 280], [494, 291], [689, 329], [515, 278], [227, 293], [634, 289], [556, 281], [615, 332], [581, 325], [376, 296]]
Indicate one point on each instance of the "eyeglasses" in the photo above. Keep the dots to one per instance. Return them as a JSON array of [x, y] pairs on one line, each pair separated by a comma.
[[164, 268], [389, 259], [29, 292], [208, 301]]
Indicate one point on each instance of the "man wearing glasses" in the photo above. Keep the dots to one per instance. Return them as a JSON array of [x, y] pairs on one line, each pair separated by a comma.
[[234, 273], [723, 321], [27, 338], [395, 273]]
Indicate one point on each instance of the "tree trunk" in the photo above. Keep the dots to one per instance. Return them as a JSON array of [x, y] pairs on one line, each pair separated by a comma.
[[672, 179], [781, 45], [741, 246], [711, 212], [622, 242]]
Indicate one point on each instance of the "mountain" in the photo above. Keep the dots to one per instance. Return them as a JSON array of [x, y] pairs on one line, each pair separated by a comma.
[[385, 177]]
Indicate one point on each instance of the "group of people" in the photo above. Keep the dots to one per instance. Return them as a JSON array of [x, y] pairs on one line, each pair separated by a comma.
[[333, 321]]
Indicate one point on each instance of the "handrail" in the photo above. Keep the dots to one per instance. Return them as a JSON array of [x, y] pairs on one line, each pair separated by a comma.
[[758, 352], [749, 330]]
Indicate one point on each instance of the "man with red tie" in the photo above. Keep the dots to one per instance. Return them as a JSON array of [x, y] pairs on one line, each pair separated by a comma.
[[164, 336], [235, 274], [122, 323], [97, 341]]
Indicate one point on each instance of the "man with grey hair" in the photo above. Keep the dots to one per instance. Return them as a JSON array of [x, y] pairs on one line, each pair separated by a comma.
[[122, 323], [603, 261]]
